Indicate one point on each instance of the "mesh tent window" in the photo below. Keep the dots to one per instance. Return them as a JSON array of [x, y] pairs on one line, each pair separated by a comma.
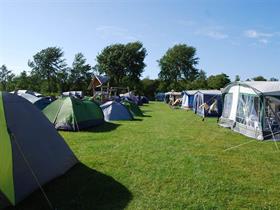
[[227, 105], [248, 111]]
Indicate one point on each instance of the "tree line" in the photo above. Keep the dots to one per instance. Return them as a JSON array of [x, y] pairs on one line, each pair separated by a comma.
[[123, 63]]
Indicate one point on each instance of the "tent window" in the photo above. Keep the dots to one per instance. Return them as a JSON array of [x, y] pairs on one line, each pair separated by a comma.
[[248, 110], [272, 114], [227, 105]]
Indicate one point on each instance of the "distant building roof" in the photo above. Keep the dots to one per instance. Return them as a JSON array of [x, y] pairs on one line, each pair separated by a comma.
[[98, 81]]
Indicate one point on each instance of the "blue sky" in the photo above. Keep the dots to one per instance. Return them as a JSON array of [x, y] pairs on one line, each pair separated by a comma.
[[231, 36]]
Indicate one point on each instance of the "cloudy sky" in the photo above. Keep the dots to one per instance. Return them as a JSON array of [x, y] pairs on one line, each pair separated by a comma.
[[234, 37]]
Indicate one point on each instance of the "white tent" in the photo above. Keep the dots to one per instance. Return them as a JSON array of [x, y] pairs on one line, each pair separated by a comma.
[[252, 108]]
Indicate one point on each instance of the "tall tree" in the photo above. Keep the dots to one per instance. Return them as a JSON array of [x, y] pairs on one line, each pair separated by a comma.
[[273, 79], [237, 78], [149, 87], [218, 81], [199, 83], [123, 63], [80, 73], [5, 76], [23, 81], [259, 78], [47, 64], [178, 64]]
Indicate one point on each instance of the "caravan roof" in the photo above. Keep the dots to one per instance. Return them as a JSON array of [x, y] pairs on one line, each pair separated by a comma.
[[210, 92], [260, 87], [190, 92]]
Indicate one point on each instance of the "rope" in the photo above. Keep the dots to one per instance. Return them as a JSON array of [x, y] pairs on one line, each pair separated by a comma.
[[239, 145], [33, 173]]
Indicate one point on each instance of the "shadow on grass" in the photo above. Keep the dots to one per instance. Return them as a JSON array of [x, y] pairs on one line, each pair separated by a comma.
[[81, 188], [146, 115], [105, 127], [137, 119]]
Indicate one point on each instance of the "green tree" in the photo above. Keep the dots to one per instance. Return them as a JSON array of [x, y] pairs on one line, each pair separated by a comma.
[[123, 63], [80, 73], [5, 76], [218, 81], [62, 79], [259, 78], [237, 78], [273, 79], [149, 87], [199, 83], [178, 64], [47, 64], [23, 81]]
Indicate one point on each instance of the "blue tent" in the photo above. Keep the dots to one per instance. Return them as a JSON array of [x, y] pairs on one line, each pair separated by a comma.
[[187, 99], [208, 103], [159, 96], [115, 111], [144, 99]]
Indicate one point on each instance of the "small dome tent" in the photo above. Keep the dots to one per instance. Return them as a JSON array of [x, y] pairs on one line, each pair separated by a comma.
[[144, 99], [252, 108], [133, 108], [39, 102], [32, 153], [115, 111], [73, 114], [208, 103]]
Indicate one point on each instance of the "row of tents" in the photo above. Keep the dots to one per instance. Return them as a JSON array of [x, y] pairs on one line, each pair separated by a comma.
[[251, 108], [32, 152], [73, 112]]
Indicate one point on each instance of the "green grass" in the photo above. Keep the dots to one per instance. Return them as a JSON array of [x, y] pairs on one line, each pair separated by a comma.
[[168, 159]]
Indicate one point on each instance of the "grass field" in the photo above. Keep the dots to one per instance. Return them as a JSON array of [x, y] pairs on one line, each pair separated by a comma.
[[168, 159]]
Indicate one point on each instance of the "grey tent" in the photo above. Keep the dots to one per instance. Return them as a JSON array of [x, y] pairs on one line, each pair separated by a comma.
[[32, 153], [252, 109], [39, 102], [115, 111], [27, 91]]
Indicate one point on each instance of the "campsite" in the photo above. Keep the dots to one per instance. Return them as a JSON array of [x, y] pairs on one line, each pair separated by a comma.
[[147, 164], [139, 105]]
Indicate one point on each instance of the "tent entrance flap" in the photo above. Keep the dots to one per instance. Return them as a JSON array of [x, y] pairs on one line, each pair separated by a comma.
[[6, 160]]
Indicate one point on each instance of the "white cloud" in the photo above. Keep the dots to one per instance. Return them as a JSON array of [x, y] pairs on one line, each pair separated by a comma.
[[213, 32], [263, 41], [255, 34], [115, 32], [217, 35]]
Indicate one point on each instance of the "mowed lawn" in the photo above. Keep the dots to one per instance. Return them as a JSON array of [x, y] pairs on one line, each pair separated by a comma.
[[168, 159]]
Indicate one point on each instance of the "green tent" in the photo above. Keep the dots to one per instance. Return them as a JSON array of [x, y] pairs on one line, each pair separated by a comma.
[[73, 114], [32, 152], [133, 108]]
